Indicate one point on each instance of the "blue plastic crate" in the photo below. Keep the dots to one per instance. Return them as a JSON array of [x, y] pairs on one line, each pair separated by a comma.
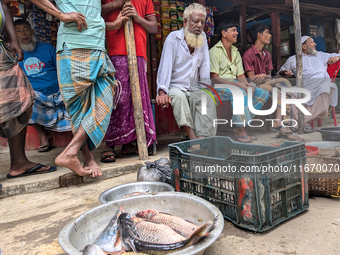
[[253, 200]]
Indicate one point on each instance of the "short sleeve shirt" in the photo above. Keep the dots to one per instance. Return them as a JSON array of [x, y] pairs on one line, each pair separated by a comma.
[[252, 61], [91, 38], [116, 38], [221, 64]]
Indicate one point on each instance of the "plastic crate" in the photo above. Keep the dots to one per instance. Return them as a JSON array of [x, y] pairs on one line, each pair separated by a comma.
[[253, 200]]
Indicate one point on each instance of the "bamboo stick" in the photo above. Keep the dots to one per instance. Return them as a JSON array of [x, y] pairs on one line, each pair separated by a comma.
[[135, 88], [298, 48]]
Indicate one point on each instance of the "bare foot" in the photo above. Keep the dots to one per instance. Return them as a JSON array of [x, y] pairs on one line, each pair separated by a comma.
[[91, 164], [72, 162], [14, 171]]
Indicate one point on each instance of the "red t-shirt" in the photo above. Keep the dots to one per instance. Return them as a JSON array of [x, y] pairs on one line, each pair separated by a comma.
[[116, 38]]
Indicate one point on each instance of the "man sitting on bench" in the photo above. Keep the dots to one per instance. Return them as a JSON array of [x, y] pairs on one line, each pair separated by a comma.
[[185, 57], [316, 79], [258, 66]]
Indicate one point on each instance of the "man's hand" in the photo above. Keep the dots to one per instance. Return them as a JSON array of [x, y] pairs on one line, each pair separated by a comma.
[[333, 60], [77, 17], [120, 20], [245, 86], [163, 99], [285, 72], [130, 11], [16, 50], [258, 79]]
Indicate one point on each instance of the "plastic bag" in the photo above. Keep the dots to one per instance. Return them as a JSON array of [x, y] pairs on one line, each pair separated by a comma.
[[158, 170]]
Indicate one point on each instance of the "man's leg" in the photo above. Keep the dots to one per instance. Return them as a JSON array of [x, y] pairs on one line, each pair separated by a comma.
[[69, 157], [43, 135], [89, 162], [181, 110], [19, 161]]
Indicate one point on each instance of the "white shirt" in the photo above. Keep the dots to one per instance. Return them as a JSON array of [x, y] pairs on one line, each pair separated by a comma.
[[178, 68], [315, 76]]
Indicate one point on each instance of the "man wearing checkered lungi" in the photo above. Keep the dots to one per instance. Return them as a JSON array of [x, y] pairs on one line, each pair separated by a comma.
[[86, 78], [16, 99]]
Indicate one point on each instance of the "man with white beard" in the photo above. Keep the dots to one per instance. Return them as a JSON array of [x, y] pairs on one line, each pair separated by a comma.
[[39, 64], [316, 79], [185, 59]]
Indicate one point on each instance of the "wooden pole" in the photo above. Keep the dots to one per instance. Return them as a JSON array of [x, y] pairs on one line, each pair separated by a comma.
[[135, 88], [298, 48], [243, 26], [276, 30]]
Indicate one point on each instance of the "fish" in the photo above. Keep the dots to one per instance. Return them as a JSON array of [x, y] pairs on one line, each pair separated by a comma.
[[93, 249], [132, 241], [180, 225], [156, 233], [108, 240]]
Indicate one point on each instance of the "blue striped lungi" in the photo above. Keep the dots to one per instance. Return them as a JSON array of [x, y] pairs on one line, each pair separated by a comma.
[[86, 81]]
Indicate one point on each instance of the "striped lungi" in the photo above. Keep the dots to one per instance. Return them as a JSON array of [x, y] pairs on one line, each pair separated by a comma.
[[86, 81], [16, 95]]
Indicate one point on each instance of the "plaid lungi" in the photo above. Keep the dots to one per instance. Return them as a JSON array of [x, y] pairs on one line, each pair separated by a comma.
[[16, 95], [86, 81], [260, 97], [50, 112]]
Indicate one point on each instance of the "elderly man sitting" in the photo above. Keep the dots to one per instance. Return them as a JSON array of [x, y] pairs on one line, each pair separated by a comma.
[[316, 79], [39, 65], [185, 57]]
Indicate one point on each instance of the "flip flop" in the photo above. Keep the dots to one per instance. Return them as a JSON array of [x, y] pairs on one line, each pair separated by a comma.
[[44, 148], [253, 138], [106, 156], [132, 151], [278, 129], [291, 139], [308, 129], [33, 170], [237, 139]]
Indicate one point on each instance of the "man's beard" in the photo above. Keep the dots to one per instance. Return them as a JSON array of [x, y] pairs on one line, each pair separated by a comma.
[[31, 46], [194, 41], [311, 51]]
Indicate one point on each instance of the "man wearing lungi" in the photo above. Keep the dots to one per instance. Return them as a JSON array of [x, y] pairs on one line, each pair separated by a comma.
[[86, 78], [258, 65], [40, 67], [122, 130], [226, 68], [185, 59], [316, 79], [16, 100]]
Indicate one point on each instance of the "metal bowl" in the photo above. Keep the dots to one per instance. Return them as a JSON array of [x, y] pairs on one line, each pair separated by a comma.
[[118, 192], [82, 231]]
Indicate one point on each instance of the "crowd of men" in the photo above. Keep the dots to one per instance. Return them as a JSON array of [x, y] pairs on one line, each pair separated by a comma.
[[78, 87]]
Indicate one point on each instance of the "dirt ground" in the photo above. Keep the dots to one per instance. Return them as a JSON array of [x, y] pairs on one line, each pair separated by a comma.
[[30, 224]]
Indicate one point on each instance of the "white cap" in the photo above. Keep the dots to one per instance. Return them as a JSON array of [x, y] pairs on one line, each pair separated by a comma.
[[304, 38]]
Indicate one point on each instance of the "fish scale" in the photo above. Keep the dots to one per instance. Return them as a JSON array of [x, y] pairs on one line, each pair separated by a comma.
[[178, 224], [156, 233]]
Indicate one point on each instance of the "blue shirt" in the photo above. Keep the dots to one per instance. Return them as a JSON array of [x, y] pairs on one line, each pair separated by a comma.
[[41, 69]]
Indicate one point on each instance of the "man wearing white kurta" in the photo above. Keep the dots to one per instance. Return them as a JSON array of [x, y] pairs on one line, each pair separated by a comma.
[[315, 78], [184, 61]]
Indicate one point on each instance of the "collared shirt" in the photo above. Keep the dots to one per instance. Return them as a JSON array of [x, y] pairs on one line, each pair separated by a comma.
[[252, 61], [315, 76], [178, 68], [221, 64], [91, 38]]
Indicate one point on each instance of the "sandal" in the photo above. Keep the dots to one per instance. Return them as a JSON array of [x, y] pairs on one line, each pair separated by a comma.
[[106, 156], [238, 139], [289, 138], [286, 131], [253, 138], [44, 148], [308, 129], [132, 151]]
